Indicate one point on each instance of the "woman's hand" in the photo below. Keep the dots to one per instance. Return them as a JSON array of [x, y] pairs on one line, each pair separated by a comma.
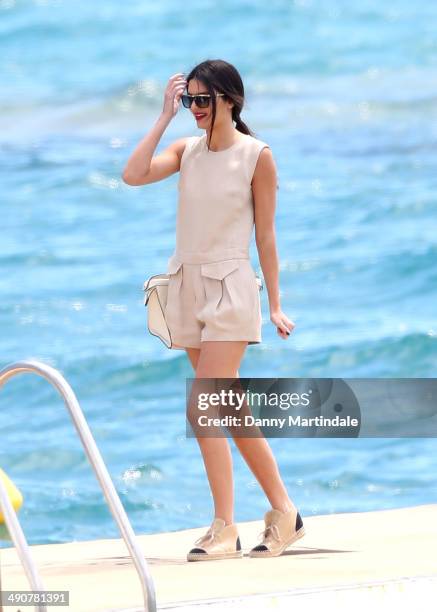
[[283, 324], [174, 90]]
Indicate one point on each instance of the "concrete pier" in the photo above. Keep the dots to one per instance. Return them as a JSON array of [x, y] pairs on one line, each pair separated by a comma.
[[369, 560]]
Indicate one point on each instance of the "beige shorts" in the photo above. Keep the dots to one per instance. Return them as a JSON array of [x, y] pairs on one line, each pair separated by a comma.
[[213, 301]]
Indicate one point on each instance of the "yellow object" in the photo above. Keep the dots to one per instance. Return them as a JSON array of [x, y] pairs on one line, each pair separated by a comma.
[[14, 494]]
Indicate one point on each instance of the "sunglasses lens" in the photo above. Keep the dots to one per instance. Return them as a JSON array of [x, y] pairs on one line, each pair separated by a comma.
[[186, 100], [202, 101]]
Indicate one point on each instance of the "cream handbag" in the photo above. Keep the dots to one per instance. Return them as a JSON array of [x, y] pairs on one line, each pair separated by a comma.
[[155, 299]]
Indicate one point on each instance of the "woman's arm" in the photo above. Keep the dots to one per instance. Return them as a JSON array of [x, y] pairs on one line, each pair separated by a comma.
[[264, 185], [142, 167]]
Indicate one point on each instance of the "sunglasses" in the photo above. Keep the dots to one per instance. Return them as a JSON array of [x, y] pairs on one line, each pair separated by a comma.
[[201, 100]]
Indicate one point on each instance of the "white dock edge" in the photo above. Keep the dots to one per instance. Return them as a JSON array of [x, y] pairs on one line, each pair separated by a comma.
[[374, 561], [403, 594]]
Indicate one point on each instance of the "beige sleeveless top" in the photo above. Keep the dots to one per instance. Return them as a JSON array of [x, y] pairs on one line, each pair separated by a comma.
[[215, 215]]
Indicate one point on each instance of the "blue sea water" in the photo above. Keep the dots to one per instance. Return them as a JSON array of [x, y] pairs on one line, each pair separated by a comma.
[[346, 95]]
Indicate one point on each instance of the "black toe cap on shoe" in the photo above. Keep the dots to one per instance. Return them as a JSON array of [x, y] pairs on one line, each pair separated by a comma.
[[260, 547], [197, 550], [299, 522]]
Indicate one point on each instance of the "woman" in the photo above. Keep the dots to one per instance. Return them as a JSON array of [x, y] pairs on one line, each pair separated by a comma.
[[227, 183]]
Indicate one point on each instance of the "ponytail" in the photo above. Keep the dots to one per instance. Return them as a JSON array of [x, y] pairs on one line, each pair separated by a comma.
[[239, 124]]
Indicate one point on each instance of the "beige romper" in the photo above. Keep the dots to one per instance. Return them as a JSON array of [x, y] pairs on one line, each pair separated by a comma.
[[212, 291]]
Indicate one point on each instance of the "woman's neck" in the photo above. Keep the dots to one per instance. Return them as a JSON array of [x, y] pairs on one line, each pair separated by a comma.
[[223, 139]]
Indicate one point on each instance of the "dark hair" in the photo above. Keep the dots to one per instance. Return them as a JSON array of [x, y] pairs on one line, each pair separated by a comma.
[[221, 77]]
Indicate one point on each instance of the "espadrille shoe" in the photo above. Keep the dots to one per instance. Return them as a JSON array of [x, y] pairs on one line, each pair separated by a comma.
[[221, 541], [281, 530]]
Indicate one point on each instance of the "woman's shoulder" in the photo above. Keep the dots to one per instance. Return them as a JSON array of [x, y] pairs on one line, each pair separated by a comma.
[[253, 151], [191, 143], [254, 147], [256, 143]]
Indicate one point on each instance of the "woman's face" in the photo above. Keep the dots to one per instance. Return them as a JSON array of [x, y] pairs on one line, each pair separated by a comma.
[[203, 116]]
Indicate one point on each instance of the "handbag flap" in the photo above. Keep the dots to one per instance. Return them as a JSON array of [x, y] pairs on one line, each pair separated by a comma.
[[153, 281]]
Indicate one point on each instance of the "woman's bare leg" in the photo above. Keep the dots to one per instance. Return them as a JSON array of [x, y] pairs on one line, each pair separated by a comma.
[[260, 459], [219, 359], [193, 356], [257, 453]]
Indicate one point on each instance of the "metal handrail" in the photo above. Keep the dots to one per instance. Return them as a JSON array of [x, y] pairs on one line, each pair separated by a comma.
[[20, 542], [99, 467]]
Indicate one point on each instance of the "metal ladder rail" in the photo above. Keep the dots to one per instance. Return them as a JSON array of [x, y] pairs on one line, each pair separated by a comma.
[[99, 467], [20, 542]]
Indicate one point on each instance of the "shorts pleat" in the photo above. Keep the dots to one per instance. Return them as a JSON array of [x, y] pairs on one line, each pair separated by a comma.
[[213, 301]]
